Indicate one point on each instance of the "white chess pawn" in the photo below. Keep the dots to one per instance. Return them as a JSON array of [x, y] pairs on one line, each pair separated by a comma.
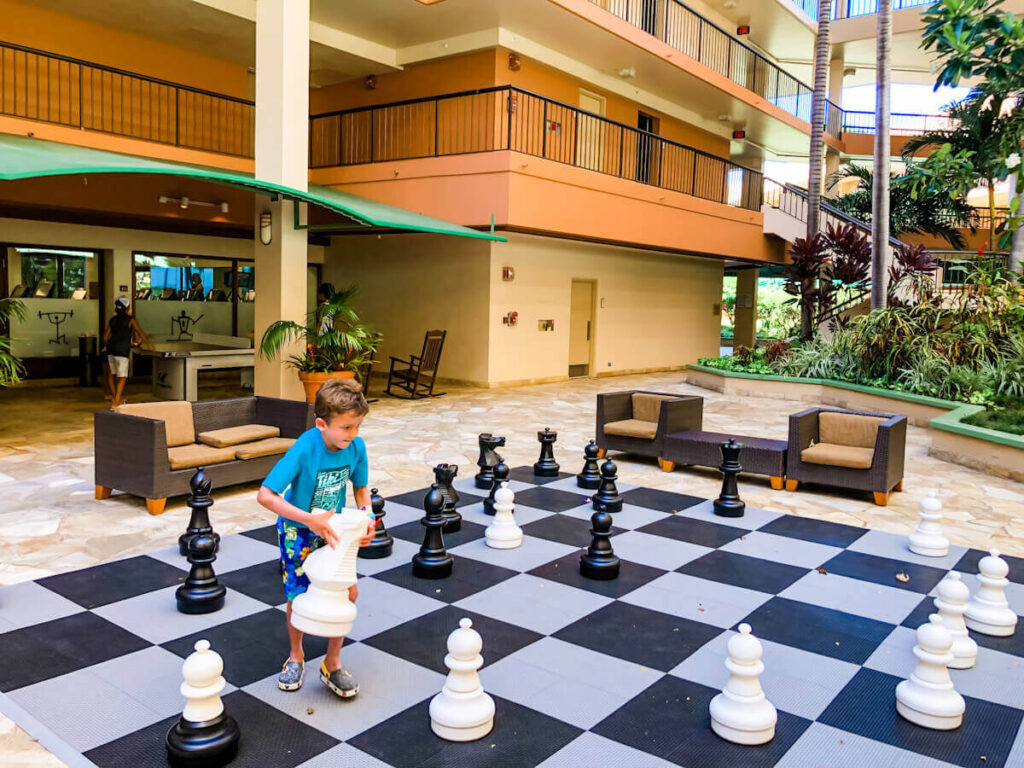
[[928, 540], [951, 604], [462, 711], [204, 734], [928, 698], [988, 612], [503, 533], [324, 608], [741, 713]]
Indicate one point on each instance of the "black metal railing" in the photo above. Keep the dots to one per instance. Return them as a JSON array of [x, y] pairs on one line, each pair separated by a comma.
[[38, 85], [956, 265], [509, 118], [900, 123], [848, 9]]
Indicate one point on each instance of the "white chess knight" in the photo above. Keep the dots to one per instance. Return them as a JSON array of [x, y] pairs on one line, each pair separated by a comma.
[[988, 612], [928, 698], [741, 713], [503, 533], [928, 540], [462, 711], [203, 684], [324, 609], [951, 604]]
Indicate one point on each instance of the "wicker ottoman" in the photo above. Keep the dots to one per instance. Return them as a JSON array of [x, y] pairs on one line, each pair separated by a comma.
[[759, 456]]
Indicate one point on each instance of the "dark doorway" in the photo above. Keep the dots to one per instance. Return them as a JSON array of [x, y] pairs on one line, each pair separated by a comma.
[[649, 16], [644, 148]]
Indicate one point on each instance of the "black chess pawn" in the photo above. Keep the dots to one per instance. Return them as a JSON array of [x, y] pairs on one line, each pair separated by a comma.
[[488, 459], [199, 502], [381, 544], [607, 498], [432, 561], [590, 477], [201, 592], [500, 476], [599, 561], [546, 465], [729, 503], [444, 476], [213, 741]]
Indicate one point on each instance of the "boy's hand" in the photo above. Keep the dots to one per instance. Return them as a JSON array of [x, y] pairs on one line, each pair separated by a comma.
[[368, 536], [353, 593], [320, 524]]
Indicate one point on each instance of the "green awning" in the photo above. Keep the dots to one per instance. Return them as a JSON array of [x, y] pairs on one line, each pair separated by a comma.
[[22, 157]]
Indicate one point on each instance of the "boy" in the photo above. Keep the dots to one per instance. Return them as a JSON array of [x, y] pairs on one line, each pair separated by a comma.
[[305, 489]]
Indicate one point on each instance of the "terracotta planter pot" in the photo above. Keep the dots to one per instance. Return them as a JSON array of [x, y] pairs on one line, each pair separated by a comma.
[[312, 382]]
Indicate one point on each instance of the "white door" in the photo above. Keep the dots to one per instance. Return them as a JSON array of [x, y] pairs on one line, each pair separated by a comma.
[[581, 327], [590, 131]]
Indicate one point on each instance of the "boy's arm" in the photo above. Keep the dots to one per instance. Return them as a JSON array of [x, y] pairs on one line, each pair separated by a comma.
[[143, 338], [316, 522]]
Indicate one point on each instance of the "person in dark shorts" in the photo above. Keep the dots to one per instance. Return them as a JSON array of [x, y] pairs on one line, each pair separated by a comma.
[[117, 341]]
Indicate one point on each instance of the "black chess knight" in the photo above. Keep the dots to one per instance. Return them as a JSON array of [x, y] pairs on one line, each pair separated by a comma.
[[444, 476], [488, 459]]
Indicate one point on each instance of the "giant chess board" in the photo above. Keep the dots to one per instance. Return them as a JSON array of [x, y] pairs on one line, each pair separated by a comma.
[[612, 673]]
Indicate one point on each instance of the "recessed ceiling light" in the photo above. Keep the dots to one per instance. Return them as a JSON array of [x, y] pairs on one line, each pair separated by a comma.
[[429, 2]]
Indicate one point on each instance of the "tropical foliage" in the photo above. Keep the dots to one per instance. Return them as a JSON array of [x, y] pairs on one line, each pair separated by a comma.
[[11, 369]]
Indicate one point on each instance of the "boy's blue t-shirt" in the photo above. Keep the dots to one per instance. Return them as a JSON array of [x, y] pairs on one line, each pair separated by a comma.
[[312, 477]]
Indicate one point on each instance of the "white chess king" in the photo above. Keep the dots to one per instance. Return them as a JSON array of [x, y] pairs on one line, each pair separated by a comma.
[[741, 713], [988, 612], [928, 540], [462, 711], [503, 533], [324, 609], [928, 698]]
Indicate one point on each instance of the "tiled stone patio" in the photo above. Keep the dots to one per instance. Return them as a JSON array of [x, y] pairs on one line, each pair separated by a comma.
[[50, 522]]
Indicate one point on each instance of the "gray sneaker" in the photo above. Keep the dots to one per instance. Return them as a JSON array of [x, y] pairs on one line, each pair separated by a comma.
[[340, 681], [290, 678]]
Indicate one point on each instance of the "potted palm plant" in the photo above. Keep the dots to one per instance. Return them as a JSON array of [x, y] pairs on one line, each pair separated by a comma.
[[337, 343]]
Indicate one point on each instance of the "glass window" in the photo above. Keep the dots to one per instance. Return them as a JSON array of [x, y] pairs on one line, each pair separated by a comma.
[[54, 274]]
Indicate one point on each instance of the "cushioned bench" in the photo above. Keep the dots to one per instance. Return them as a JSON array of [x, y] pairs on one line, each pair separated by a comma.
[[759, 456]]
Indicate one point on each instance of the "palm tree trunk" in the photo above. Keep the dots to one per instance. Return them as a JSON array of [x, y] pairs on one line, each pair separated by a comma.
[[1017, 246], [880, 199], [992, 215], [814, 172]]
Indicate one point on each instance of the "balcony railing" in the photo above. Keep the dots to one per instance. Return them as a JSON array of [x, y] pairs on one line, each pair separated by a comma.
[[57, 89], [508, 118], [848, 9], [900, 124]]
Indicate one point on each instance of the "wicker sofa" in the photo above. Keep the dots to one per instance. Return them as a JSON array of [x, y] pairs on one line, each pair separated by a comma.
[[844, 449], [636, 421], [152, 449]]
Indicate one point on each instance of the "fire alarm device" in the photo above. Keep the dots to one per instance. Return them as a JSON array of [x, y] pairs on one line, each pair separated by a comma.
[[513, 62], [739, 134], [511, 318], [743, 29], [508, 274]]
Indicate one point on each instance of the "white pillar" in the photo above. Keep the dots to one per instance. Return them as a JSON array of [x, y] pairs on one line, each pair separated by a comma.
[[282, 149]]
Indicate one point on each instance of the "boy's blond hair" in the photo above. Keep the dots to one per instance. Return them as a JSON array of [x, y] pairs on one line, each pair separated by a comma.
[[337, 396]]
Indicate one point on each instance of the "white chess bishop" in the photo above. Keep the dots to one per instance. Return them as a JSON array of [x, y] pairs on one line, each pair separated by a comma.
[[503, 533], [928, 698], [951, 604], [462, 711], [988, 612], [324, 609], [741, 713], [928, 540]]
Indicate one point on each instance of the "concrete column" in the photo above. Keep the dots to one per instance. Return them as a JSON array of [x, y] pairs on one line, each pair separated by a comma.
[[282, 151], [745, 319], [836, 67]]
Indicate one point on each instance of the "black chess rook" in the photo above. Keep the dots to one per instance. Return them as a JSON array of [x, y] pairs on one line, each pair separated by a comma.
[[607, 498], [444, 476], [432, 561], [500, 476], [488, 460], [199, 502], [546, 465], [729, 503], [590, 477], [381, 544], [600, 561]]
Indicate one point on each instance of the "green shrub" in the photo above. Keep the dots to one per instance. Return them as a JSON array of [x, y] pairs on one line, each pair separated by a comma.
[[1005, 415]]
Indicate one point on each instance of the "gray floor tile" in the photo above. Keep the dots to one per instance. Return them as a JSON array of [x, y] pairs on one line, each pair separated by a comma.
[[399, 514], [862, 598], [236, 552], [782, 549], [382, 606], [752, 519], [709, 602], [151, 676], [568, 484], [468, 485], [656, 551], [894, 546], [822, 746], [591, 749], [532, 553], [401, 552], [523, 514], [344, 756], [538, 604], [1016, 756], [630, 517], [28, 603]]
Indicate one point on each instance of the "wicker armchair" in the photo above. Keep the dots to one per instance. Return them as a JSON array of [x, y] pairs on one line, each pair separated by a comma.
[[857, 451], [637, 421]]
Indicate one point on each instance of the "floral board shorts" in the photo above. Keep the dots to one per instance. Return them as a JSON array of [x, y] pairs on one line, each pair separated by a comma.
[[295, 543]]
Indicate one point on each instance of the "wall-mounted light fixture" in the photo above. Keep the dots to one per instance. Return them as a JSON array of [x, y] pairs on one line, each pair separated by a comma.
[[266, 227], [184, 202]]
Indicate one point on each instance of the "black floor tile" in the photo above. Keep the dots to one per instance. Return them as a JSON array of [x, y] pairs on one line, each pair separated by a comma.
[[653, 639], [521, 738], [111, 582], [551, 499], [414, 499], [267, 534], [988, 729], [54, 648], [742, 571], [671, 720], [413, 531], [564, 529], [262, 582], [694, 531], [269, 737], [969, 564], [525, 475], [882, 570], [424, 640], [566, 570], [662, 501], [817, 531], [468, 577]]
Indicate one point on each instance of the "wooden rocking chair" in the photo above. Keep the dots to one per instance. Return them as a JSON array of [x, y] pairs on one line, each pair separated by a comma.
[[416, 375]]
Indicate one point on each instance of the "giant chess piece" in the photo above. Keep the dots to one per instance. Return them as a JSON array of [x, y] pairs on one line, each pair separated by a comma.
[[951, 604], [204, 737], [928, 698], [590, 477], [324, 608], [928, 540], [382, 543], [199, 502], [488, 459], [201, 592], [741, 713], [500, 476], [599, 561], [607, 498], [729, 503], [432, 561], [988, 612], [462, 711], [546, 466], [503, 533], [444, 476]]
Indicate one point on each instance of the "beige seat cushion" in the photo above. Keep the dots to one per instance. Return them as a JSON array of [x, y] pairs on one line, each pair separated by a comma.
[[838, 455], [175, 414], [848, 429], [267, 447], [632, 428], [196, 455], [222, 438], [647, 407]]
